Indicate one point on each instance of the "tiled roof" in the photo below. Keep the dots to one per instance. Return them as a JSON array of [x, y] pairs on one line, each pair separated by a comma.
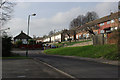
[[22, 35]]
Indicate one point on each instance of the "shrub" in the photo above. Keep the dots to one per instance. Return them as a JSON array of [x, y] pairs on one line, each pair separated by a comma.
[[18, 43], [6, 46]]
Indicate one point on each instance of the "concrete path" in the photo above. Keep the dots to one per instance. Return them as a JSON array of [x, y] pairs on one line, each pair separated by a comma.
[[82, 44], [28, 68]]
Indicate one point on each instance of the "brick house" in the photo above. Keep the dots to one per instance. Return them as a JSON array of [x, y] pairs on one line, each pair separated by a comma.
[[105, 25]]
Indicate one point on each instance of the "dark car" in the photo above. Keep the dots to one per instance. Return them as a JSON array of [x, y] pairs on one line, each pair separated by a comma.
[[53, 46]]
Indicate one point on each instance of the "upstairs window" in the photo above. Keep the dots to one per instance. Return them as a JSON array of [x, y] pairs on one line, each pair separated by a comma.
[[119, 19], [108, 22], [112, 21], [101, 24]]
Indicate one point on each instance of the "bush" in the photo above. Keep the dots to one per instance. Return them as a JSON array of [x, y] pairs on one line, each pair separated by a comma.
[[32, 41], [6, 46], [18, 43]]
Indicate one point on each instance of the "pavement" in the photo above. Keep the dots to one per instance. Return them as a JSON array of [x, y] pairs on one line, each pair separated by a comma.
[[28, 68], [81, 44], [75, 66]]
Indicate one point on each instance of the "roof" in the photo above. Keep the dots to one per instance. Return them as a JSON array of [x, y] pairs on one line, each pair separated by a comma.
[[98, 21], [39, 38], [22, 35]]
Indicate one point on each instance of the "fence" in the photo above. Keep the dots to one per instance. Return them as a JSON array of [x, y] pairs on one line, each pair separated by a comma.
[[100, 39], [35, 46]]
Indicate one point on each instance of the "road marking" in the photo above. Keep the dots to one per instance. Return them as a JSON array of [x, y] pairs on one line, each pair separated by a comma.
[[21, 76], [70, 76]]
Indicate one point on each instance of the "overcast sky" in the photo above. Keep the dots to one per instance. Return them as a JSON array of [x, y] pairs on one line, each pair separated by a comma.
[[53, 15]]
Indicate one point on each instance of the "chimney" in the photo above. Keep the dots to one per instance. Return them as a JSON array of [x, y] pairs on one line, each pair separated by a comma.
[[21, 31]]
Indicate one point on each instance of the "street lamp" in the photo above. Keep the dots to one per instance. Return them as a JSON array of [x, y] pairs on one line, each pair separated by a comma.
[[28, 32]]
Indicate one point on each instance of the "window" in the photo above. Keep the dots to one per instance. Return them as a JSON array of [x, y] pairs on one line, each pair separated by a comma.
[[108, 22], [119, 19], [101, 24], [77, 36], [84, 35], [87, 35], [112, 21], [116, 28]]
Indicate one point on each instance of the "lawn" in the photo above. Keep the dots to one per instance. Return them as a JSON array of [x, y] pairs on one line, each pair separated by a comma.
[[104, 51]]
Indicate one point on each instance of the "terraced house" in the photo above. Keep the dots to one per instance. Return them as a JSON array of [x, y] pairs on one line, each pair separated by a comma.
[[105, 25]]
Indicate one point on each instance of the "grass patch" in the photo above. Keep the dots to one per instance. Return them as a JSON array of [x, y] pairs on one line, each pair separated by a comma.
[[104, 51]]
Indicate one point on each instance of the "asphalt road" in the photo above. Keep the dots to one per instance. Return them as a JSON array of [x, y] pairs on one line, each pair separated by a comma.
[[76, 67]]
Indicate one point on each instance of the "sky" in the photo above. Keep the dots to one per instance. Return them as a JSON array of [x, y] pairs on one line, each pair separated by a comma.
[[52, 15]]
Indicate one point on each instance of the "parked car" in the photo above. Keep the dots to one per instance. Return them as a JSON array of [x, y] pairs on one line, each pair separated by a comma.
[[53, 46]]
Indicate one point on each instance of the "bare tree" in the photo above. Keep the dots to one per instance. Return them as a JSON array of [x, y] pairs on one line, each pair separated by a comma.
[[77, 22], [81, 19], [51, 33], [6, 9], [44, 36], [90, 16]]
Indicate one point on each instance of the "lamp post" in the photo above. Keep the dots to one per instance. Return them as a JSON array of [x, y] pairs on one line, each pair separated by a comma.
[[28, 32]]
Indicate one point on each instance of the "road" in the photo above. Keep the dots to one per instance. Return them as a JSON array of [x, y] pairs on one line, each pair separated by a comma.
[[76, 67]]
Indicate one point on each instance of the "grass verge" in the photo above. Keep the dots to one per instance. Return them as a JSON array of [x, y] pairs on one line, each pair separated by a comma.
[[105, 51]]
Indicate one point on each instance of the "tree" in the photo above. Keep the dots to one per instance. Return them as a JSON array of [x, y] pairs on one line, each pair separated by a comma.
[[90, 16], [6, 9], [44, 36], [18, 43], [51, 33], [81, 19], [32, 41], [77, 22], [6, 46]]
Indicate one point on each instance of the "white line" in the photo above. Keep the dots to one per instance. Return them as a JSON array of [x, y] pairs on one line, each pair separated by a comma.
[[56, 69]]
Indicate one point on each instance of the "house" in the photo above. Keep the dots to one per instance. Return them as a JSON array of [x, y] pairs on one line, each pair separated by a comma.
[[105, 25], [47, 39], [38, 39], [56, 37], [22, 37]]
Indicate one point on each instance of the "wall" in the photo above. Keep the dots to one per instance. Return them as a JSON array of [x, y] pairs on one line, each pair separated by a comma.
[[99, 39], [58, 37]]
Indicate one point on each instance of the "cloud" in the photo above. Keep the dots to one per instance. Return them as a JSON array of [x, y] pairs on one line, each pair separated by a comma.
[[64, 0], [23, 5], [61, 20], [42, 26], [105, 8]]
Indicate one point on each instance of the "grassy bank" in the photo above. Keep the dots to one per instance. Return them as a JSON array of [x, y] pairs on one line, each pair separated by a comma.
[[104, 51]]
